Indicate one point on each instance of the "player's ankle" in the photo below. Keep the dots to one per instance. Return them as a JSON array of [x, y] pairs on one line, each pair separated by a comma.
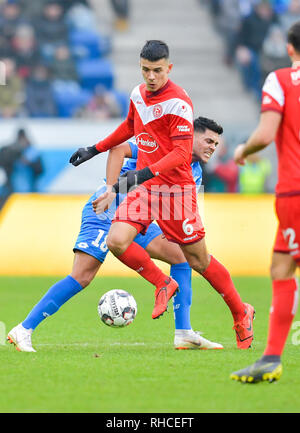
[[270, 358], [180, 332]]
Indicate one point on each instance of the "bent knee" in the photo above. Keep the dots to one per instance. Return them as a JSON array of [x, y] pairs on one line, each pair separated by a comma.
[[116, 244], [84, 279], [281, 271], [198, 264]]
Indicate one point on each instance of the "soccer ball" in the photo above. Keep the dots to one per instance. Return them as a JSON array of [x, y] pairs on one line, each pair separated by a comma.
[[117, 308]]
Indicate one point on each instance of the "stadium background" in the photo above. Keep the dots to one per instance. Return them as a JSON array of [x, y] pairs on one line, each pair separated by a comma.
[[39, 224]]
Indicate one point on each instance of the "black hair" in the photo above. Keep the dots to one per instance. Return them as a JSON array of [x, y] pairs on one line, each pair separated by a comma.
[[293, 36], [21, 132], [201, 124], [155, 50]]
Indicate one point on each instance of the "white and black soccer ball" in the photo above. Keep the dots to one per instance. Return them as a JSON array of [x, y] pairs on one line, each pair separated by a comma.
[[117, 308]]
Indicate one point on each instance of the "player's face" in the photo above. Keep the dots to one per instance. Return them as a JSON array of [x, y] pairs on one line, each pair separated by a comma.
[[156, 73], [204, 145]]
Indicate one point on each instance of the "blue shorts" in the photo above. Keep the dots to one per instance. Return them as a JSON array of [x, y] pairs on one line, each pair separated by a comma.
[[93, 233]]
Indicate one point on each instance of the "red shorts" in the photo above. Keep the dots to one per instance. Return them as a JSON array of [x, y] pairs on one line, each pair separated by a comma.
[[174, 208], [288, 233]]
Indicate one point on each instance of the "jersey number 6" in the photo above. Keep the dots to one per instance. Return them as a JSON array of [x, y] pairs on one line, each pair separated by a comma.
[[187, 228]]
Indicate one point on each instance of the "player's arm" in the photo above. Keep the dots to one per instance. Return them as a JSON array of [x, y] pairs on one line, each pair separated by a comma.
[[261, 137], [181, 134], [123, 133], [114, 163], [133, 178], [179, 155]]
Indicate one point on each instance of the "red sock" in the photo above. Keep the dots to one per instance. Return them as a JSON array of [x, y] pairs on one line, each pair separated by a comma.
[[136, 258], [283, 309], [219, 278]]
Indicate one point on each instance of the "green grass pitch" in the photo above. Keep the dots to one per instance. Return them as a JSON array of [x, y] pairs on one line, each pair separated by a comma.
[[81, 365]]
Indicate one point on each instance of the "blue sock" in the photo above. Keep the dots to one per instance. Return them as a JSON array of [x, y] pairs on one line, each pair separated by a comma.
[[182, 273], [56, 296]]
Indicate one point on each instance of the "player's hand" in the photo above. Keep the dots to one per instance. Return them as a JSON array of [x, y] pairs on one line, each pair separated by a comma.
[[238, 155], [132, 178], [83, 154], [103, 202]]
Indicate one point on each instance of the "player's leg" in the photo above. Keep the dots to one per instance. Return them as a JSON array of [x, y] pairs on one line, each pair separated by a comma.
[[160, 248], [282, 312], [90, 251], [284, 302], [285, 259], [84, 269], [219, 278]]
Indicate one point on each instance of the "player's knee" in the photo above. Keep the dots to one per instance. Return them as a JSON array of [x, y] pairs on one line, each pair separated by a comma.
[[278, 271], [198, 257], [116, 244], [198, 264], [84, 279]]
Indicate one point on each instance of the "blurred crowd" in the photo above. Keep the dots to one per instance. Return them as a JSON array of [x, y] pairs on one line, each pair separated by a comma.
[[57, 64], [56, 61], [21, 166], [254, 34], [221, 174]]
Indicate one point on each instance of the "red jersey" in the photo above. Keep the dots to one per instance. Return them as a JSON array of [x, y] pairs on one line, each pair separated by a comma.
[[163, 120], [281, 92], [162, 123]]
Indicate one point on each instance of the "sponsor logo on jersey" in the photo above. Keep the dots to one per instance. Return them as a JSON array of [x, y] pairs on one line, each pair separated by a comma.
[[146, 143], [157, 111], [183, 128], [295, 76], [189, 238], [266, 100], [83, 245]]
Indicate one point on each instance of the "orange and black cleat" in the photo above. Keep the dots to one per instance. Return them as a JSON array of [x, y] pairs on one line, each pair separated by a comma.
[[244, 328]]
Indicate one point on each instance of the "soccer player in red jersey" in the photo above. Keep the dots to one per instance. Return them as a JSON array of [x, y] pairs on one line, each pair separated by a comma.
[[280, 121], [161, 119]]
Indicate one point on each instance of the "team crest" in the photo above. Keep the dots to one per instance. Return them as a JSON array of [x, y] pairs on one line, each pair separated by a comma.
[[157, 111]]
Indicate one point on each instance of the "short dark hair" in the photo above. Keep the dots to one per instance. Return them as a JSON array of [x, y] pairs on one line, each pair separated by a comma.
[[154, 50], [293, 36], [201, 124]]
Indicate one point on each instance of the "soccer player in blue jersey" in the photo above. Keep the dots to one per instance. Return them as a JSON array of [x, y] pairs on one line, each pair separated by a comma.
[[90, 248]]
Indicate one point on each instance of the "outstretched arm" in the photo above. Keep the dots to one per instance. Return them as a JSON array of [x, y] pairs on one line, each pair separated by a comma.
[[120, 135], [262, 136]]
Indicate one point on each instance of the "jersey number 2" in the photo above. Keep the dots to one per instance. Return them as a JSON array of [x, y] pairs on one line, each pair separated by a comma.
[[290, 235]]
